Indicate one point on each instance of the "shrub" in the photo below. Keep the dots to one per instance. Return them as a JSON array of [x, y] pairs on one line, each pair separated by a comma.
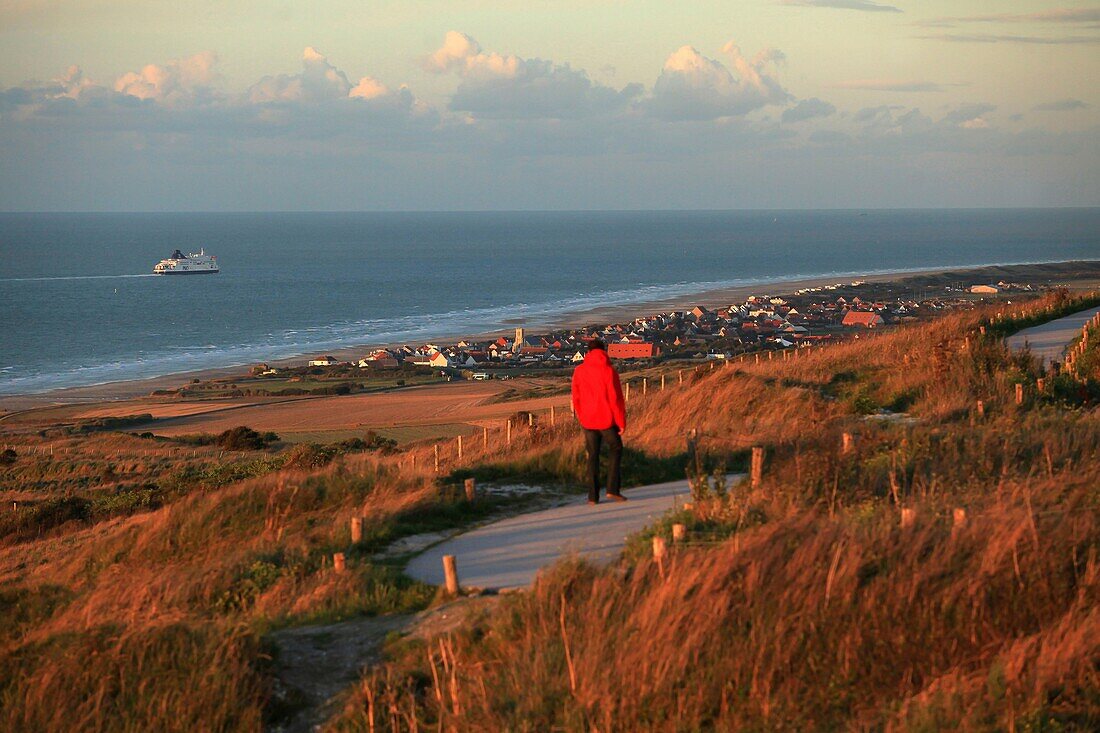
[[243, 437]]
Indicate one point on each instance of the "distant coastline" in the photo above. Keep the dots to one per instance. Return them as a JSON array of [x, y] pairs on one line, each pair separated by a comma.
[[1075, 273]]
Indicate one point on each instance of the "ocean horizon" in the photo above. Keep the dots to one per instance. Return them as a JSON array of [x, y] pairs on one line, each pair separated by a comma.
[[81, 306]]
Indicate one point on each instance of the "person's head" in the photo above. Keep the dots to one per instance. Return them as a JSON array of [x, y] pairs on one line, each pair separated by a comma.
[[597, 345]]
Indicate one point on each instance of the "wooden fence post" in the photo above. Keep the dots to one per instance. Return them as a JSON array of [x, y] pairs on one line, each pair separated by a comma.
[[471, 489], [553, 418], [530, 419], [660, 550], [460, 447], [509, 429], [958, 519], [692, 435], [757, 357], [679, 532], [757, 465], [846, 443], [626, 397], [981, 408], [680, 373], [485, 436], [338, 562], [450, 575], [356, 530], [436, 446], [908, 516], [662, 382], [1019, 394], [645, 386]]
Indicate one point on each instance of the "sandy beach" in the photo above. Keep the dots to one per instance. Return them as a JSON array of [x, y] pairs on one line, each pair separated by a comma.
[[1075, 275]]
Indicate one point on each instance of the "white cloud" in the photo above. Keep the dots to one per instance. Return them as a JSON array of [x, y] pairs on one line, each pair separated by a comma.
[[369, 88], [319, 81], [499, 86], [692, 86], [463, 54], [178, 81]]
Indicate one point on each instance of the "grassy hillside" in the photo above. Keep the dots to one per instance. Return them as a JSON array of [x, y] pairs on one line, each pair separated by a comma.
[[804, 603], [798, 604]]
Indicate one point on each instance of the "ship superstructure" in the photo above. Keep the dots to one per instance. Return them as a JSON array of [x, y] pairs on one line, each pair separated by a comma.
[[191, 264]]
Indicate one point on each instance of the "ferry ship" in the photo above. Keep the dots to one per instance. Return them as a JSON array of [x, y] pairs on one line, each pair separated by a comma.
[[192, 264]]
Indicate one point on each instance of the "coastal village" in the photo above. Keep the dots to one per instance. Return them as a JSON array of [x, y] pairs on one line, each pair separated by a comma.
[[761, 322]]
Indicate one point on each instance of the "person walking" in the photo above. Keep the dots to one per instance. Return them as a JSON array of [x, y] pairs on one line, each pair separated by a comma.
[[599, 406]]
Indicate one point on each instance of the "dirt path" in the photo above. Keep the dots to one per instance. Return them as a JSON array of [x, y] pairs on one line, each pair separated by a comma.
[[509, 553], [1048, 341], [318, 664]]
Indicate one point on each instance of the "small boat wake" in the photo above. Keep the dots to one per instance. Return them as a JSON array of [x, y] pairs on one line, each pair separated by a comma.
[[71, 277]]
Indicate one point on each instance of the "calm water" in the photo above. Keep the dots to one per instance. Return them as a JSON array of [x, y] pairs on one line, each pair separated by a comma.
[[77, 305]]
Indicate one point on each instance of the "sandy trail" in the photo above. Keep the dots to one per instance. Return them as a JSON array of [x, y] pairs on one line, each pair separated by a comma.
[[510, 553], [1048, 341]]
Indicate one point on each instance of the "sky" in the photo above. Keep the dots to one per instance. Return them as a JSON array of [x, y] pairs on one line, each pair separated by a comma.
[[150, 105]]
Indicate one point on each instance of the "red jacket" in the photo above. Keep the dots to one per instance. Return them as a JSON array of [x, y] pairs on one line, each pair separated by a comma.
[[597, 394]]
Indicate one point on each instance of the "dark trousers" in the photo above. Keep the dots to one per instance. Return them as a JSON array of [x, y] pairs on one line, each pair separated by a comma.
[[592, 441]]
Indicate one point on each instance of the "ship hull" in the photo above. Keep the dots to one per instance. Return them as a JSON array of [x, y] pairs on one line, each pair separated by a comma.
[[187, 272]]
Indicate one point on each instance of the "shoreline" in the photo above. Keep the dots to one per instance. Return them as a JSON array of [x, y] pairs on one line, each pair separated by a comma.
[[129, 389]]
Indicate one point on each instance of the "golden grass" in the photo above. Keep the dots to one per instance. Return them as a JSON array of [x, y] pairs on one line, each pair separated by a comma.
[[821, 612]]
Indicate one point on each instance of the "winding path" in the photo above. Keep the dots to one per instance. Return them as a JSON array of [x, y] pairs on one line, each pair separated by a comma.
[[1048, 341], [509, 553]]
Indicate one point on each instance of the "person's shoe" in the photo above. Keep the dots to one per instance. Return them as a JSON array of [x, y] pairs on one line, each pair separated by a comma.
[[593, 502], [616, 497]]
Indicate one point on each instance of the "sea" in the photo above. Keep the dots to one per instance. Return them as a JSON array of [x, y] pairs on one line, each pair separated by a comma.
[[79, 305]]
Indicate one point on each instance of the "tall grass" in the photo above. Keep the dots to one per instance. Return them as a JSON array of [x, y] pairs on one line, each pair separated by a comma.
[[803, 603]]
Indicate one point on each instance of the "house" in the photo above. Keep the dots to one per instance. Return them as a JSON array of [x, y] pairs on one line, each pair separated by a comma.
[[632, 351], [985, 289], [379, 359], [323, 361], [862, 318], [438, 360], [577, 358]]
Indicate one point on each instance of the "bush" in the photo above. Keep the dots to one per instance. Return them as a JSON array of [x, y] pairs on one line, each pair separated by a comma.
[[243, 437]]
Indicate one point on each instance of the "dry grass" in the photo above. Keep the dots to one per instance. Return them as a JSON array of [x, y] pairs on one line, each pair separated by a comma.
[[821, 612]]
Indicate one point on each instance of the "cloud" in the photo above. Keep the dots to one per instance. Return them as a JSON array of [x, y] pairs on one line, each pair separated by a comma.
[[808, 109], [892, 85], [176, 82], [502, 87], [1009, 38], [692, 86], [967, 113], [462, 53], [318, 81], [1054, 15], [864, 5], [1062, 105]]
